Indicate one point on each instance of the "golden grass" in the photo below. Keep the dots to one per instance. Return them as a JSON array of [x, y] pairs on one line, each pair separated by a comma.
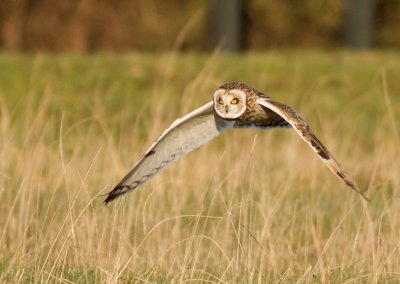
[[249, 207]]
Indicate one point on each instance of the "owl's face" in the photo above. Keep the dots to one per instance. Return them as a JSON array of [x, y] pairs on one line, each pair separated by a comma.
[[229, 104]]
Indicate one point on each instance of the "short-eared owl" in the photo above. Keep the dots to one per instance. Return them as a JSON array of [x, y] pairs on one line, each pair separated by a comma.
[[234, 105]]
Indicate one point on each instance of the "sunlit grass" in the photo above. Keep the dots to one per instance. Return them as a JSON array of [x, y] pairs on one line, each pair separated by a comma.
[[248, 207]]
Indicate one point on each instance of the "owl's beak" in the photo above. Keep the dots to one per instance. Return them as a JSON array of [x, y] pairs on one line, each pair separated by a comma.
[[226, 109]]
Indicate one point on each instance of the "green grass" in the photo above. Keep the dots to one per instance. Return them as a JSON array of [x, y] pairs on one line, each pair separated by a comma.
[[248, 207]]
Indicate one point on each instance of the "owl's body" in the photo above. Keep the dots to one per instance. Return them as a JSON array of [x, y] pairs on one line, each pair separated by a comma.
[[234, 105], [255, 115], [259, 117]]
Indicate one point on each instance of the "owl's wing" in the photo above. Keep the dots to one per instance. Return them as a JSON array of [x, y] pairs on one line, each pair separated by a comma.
[[302, 128], [184, 135]]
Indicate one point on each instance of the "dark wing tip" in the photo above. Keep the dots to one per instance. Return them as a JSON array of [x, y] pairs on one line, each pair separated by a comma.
[[110, 197], [116, 192], [354, 187]]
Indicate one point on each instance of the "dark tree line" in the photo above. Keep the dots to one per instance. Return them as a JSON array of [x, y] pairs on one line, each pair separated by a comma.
[[89, 25]]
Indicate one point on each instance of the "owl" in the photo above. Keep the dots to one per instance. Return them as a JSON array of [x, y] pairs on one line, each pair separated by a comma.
[[234, 105]]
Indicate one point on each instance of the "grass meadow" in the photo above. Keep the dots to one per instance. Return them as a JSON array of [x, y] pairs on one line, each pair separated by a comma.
[[249, 207]]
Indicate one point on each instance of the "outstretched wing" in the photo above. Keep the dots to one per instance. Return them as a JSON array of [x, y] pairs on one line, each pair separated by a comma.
[[184, 135], [302, 128]]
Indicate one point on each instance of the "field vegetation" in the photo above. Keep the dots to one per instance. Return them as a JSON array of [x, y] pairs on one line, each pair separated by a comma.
[[249, 207]]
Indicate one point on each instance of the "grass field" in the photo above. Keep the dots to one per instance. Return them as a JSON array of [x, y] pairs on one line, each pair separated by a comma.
[[249, 207]]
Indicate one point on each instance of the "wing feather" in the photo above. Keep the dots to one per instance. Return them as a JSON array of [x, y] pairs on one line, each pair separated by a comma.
[[183, 136], [302, 128]]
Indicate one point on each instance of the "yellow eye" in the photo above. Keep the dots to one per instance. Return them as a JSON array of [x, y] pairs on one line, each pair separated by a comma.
[[220, 101], [234, 101]]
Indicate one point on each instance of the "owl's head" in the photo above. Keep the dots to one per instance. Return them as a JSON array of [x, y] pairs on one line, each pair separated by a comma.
[[229, 103]]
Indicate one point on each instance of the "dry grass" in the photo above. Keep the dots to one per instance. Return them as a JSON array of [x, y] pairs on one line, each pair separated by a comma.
[[250, 207]]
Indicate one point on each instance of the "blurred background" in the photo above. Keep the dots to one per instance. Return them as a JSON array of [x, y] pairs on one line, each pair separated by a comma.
[[119, 25]]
